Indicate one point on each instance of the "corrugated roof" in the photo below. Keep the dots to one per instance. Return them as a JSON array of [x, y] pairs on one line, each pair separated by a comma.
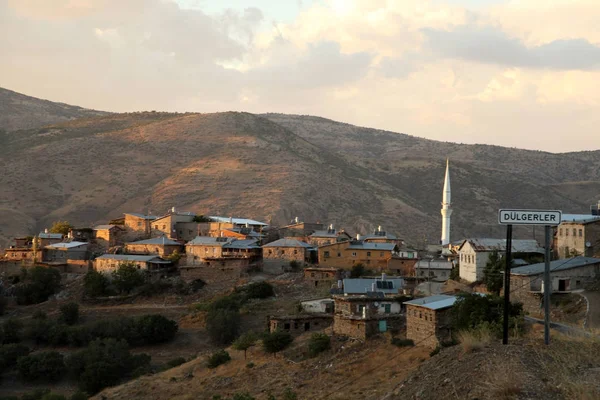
[[518, 245], [209, 240], [44, 235], [242, 244], [152, 217], [127, 257], [382, 235], [435, 264], [158, 241], [238, 221], [324, 234], [579, 218], [437, 302], [364, 285], [103, 227], [288, 243], [372, 246], [557, 265], [66, 245]]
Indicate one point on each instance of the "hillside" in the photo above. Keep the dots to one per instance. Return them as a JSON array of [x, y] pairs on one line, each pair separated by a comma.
[[276, 167], [18, 111]]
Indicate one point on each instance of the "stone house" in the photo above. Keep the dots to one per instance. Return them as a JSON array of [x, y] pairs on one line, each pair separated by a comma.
[[429, 320], [364, 316], [218, 224], [381, 236], [322, 276], [241, 234], [81, 234], [437, 270], [475, 253], [578, 236], [23, 254], [205, 247], [138, 222], [318, 306], [107, 235], [402, 266], [384, 284], [283, 251], [374, 256], [329, 236], [45, 238], [62, 252], [108, 263], [177, 225], [159, 246], [298, 229], [299, 324]]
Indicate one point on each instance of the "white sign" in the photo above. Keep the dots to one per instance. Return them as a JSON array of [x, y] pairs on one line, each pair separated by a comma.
[[529, 217]]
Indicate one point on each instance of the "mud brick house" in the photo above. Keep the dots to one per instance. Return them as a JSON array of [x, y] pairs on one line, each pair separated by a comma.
[[318, 306], [138, 222], [107, 235], [23, 251], [242, 233], [203, 248], [474, 254], [282, 252], [159, 246], [578, 235], [23, 242], [381, 236], [429, 320], [329, 236], [110, 262], [322, 276], [45, 238], [374, 256], [402, 266], [299, 324], [299, 229], [364, 316], [384, 284], [81, 234], [177, 225], [436, 269], [62, 252], [218, 224]]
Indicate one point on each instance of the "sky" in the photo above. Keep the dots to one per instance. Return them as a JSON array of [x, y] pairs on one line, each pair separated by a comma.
[[516, 73]]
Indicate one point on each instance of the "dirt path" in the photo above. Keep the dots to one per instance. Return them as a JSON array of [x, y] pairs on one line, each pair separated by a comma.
[[593, 318]]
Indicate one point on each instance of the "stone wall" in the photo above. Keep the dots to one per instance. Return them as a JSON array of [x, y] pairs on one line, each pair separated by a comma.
[[157, 249], [428, 327], [297, 325]]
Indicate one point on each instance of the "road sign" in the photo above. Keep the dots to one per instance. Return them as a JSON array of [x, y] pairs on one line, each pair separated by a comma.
[[529, 217]]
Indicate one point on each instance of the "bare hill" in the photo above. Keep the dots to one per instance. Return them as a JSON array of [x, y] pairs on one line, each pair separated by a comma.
[[18, 111]]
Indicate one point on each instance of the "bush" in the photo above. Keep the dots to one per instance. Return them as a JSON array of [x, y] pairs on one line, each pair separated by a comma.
[[250, 365], [402, 342], [217, 358], [223, 325], [48, 366], [79, 396], [38, 330], [471, 311], [176, 362], [11, 331], [295, 265], [276, 341], [259, 290], [232, 302], [244, 342], [38, 285], [3, 303], [127, 277], [357, 271], [10, 353], [69, 313], [242, 396], [154, 329], [62, 227], [95, 284], [318, 343], [288, 394]]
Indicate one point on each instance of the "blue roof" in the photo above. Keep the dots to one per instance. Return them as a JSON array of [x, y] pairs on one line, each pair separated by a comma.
[[437, 302], [242, 244], [66, 245], [209, 240], [579, 218], [557, 265], [158, 241], [127, 257], [237, 221], [142, 216], [44, 235], [364, 285], [288, 243], [372, 246]]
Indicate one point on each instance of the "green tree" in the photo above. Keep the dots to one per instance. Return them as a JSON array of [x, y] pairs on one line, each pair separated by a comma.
[[11, 331], [69, 313], [127, 277], [471, 311], [492, 273], [217, 358], [259, 290], [318, 343], [48, 366], [223, 325], [277, 341], [152, 329], [61, 227], [244, 342], [455, 273], [95, 284], [38, 284], [10, 353], [357, 271]]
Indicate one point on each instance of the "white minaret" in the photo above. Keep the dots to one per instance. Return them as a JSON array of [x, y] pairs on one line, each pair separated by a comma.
[[446, 207]]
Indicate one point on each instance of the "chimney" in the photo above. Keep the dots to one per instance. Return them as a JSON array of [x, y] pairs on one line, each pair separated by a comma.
[[340, 284], [46, 230], [373, 287], [70, 234], [231, 220], [296, 219], [379, 228], [173, 210], [383, 276], [358, 236]]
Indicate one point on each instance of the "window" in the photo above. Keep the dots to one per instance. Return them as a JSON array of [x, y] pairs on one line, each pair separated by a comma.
[[560, 232], [360, 308], [164, 227], [580, 232], [339, 254], [155, 226], [139, 223], [270, 251], [384, 284], [368, 254], [295, 251], [567, 232], [381, 254], [387, 308], [326, 254], [574, 232], [206, 249], [353, 254]]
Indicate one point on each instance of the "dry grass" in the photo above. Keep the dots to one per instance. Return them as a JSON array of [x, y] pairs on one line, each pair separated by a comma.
[[474, 340], [504, 382]]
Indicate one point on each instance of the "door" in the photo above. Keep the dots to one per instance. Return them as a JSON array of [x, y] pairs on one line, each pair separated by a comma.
[[383, 326]]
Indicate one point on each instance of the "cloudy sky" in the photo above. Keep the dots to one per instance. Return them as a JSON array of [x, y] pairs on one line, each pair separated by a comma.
[[518, 73]]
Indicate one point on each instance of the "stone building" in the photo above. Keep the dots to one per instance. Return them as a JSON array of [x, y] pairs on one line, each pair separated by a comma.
[[159, 246], [329, 236], [299, 229], [81, 234], [402, 266], [205, 247], [62, 252], [388, 286], [475, 253], [299, 324], [322, 276], [364, 316], [283, 251], [429, 320], [578, 236], [374, 256], [45, 238], [381, 236], [218, 224], [177, 225], [107, 235], [23, 254], [138, 222], [437, 270], [110, 262]]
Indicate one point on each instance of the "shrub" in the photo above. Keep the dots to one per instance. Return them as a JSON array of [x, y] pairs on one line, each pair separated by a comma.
[[175, 362], [259, 290], [3, 303], [250, 365], [127, 277], [434, 351], [318, 343], [242, 396], [402, 342], [471, 311], [38, 330], [38, 285], [289, 394], [357, 271], [276, 341], [79, 396], [475, 339], [223, 325], [152, 329], [95, 284], [39, 314], [48, 366], [232, 302], [10, 353], [217, 358], [295, 265], [69, 313], [11, 331]]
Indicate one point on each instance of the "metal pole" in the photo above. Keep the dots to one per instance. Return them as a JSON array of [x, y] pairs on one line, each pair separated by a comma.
[[507, 283], [547, 289]]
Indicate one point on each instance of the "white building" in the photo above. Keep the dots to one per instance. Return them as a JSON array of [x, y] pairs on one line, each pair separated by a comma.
[[446, 207]]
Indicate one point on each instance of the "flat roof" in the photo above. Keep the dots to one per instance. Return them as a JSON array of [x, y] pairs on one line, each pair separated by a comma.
[[556, 265], [437, 302], [68, 245], [237, 221], [127, 257], [163, 241]]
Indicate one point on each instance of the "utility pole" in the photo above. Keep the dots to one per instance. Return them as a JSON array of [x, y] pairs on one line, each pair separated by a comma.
[[547, 288], [507, 283]]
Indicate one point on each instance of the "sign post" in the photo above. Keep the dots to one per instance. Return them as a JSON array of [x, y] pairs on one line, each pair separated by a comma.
[[509, 218]]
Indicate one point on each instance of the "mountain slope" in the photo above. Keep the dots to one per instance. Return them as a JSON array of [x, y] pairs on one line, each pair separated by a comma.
[[18, 111]]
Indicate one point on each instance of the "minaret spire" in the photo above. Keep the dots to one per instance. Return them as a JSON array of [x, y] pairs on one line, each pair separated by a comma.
[[446, 207]]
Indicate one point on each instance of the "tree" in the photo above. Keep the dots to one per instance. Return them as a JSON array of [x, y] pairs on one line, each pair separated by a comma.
[[61, 227], [276, 341], [223, 325], [48, 366], [492, 273], [11, 331], [471, 311], [455, 273], [200, 218], [39, 283], [244, 342], [69, 313], [154, 329], [10, 353], [259, 290], [357, 271], [127, 277], [95, 284], [217, 358], [318, 343]]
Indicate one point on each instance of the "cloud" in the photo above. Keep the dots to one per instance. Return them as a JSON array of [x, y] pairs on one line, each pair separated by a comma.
[[492, 46]]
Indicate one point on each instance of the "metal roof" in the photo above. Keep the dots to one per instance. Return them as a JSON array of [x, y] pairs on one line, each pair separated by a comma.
[[557, 265], [288, 243], [158, 241], [371, 246], [364, 285], [127, 257], [237, 221], [437, 302], [103, 227], [242, 244], [44, 235], [518, 245], [66, 245], [579, 218], [209, 240], [325, 234], [434, 264], [385, 235], [142, 216]]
